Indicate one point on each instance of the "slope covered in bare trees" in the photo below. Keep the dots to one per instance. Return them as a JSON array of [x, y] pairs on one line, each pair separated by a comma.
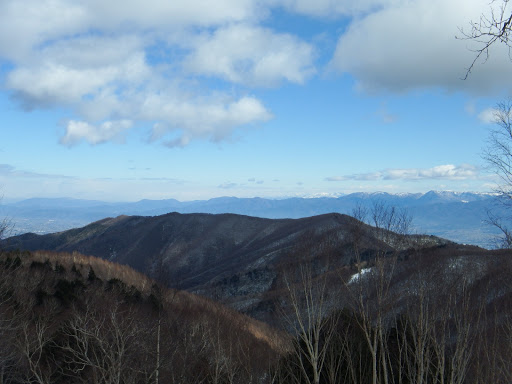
[[360, 304], [75, 319], [238, 260]]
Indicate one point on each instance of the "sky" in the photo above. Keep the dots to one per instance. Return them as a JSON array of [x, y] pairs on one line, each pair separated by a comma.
[[128, 100]]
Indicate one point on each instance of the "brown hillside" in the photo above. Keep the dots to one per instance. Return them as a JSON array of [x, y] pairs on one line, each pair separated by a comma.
[[235, 259], [63, 288]]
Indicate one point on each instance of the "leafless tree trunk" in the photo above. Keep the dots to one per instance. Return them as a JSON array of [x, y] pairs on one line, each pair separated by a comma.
[[10, 320], [101, 343], [371, 314], [158, 338], [503, 358], [369, 290], [309, 308], [6, 228], [221, 367], [34, 337]]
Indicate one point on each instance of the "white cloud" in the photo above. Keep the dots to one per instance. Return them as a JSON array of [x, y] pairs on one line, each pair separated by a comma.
[[251, 55], [488, 116], [440, 172], [411, 44], [448, 171], [94, 59], [97, 58], [35, 22], [211, 119], [77, 131], [173, 14], [82, 52], [54, 84]]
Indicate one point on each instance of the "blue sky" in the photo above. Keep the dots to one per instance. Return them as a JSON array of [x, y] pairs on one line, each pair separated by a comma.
[[126, 100]]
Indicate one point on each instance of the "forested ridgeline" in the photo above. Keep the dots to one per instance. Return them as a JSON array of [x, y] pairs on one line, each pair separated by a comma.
[[417, 316], [76, 319], [434, 315]]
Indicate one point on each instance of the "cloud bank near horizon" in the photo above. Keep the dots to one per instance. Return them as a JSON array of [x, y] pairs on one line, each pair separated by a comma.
[[440, 172]]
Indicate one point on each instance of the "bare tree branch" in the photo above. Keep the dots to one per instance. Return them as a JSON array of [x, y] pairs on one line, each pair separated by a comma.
[[491, 29], [498, 155]]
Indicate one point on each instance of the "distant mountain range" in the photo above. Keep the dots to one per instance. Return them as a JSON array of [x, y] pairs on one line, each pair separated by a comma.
[[460, 217]]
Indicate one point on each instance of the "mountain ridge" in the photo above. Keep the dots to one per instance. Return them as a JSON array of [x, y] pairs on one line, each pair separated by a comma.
[[238, 259], [459, 216], [68, 300]]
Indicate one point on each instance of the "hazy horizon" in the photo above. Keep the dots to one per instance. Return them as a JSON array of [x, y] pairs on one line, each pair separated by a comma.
[[304, 196]]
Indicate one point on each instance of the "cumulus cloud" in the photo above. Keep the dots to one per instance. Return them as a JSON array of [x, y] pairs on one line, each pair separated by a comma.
[[488, 116], [54, 84], [152, 63], [173, 14], [201, 119], [411, 44], [251, 55], [77, 131], [440, 172], [35, 22], [448, 171], [94, 58]]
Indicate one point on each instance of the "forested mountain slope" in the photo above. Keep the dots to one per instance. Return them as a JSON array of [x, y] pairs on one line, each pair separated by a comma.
[[237, 259], [363, 303], [68, 318]]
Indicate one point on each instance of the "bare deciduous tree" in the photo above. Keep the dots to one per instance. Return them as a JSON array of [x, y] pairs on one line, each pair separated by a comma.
[[5, 230], [369, 295], [492, 28], [308, 300], [498, 155], [498, 152], [35, 336], [102, 343], [10, 319], [495, 27], [504, 239]]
